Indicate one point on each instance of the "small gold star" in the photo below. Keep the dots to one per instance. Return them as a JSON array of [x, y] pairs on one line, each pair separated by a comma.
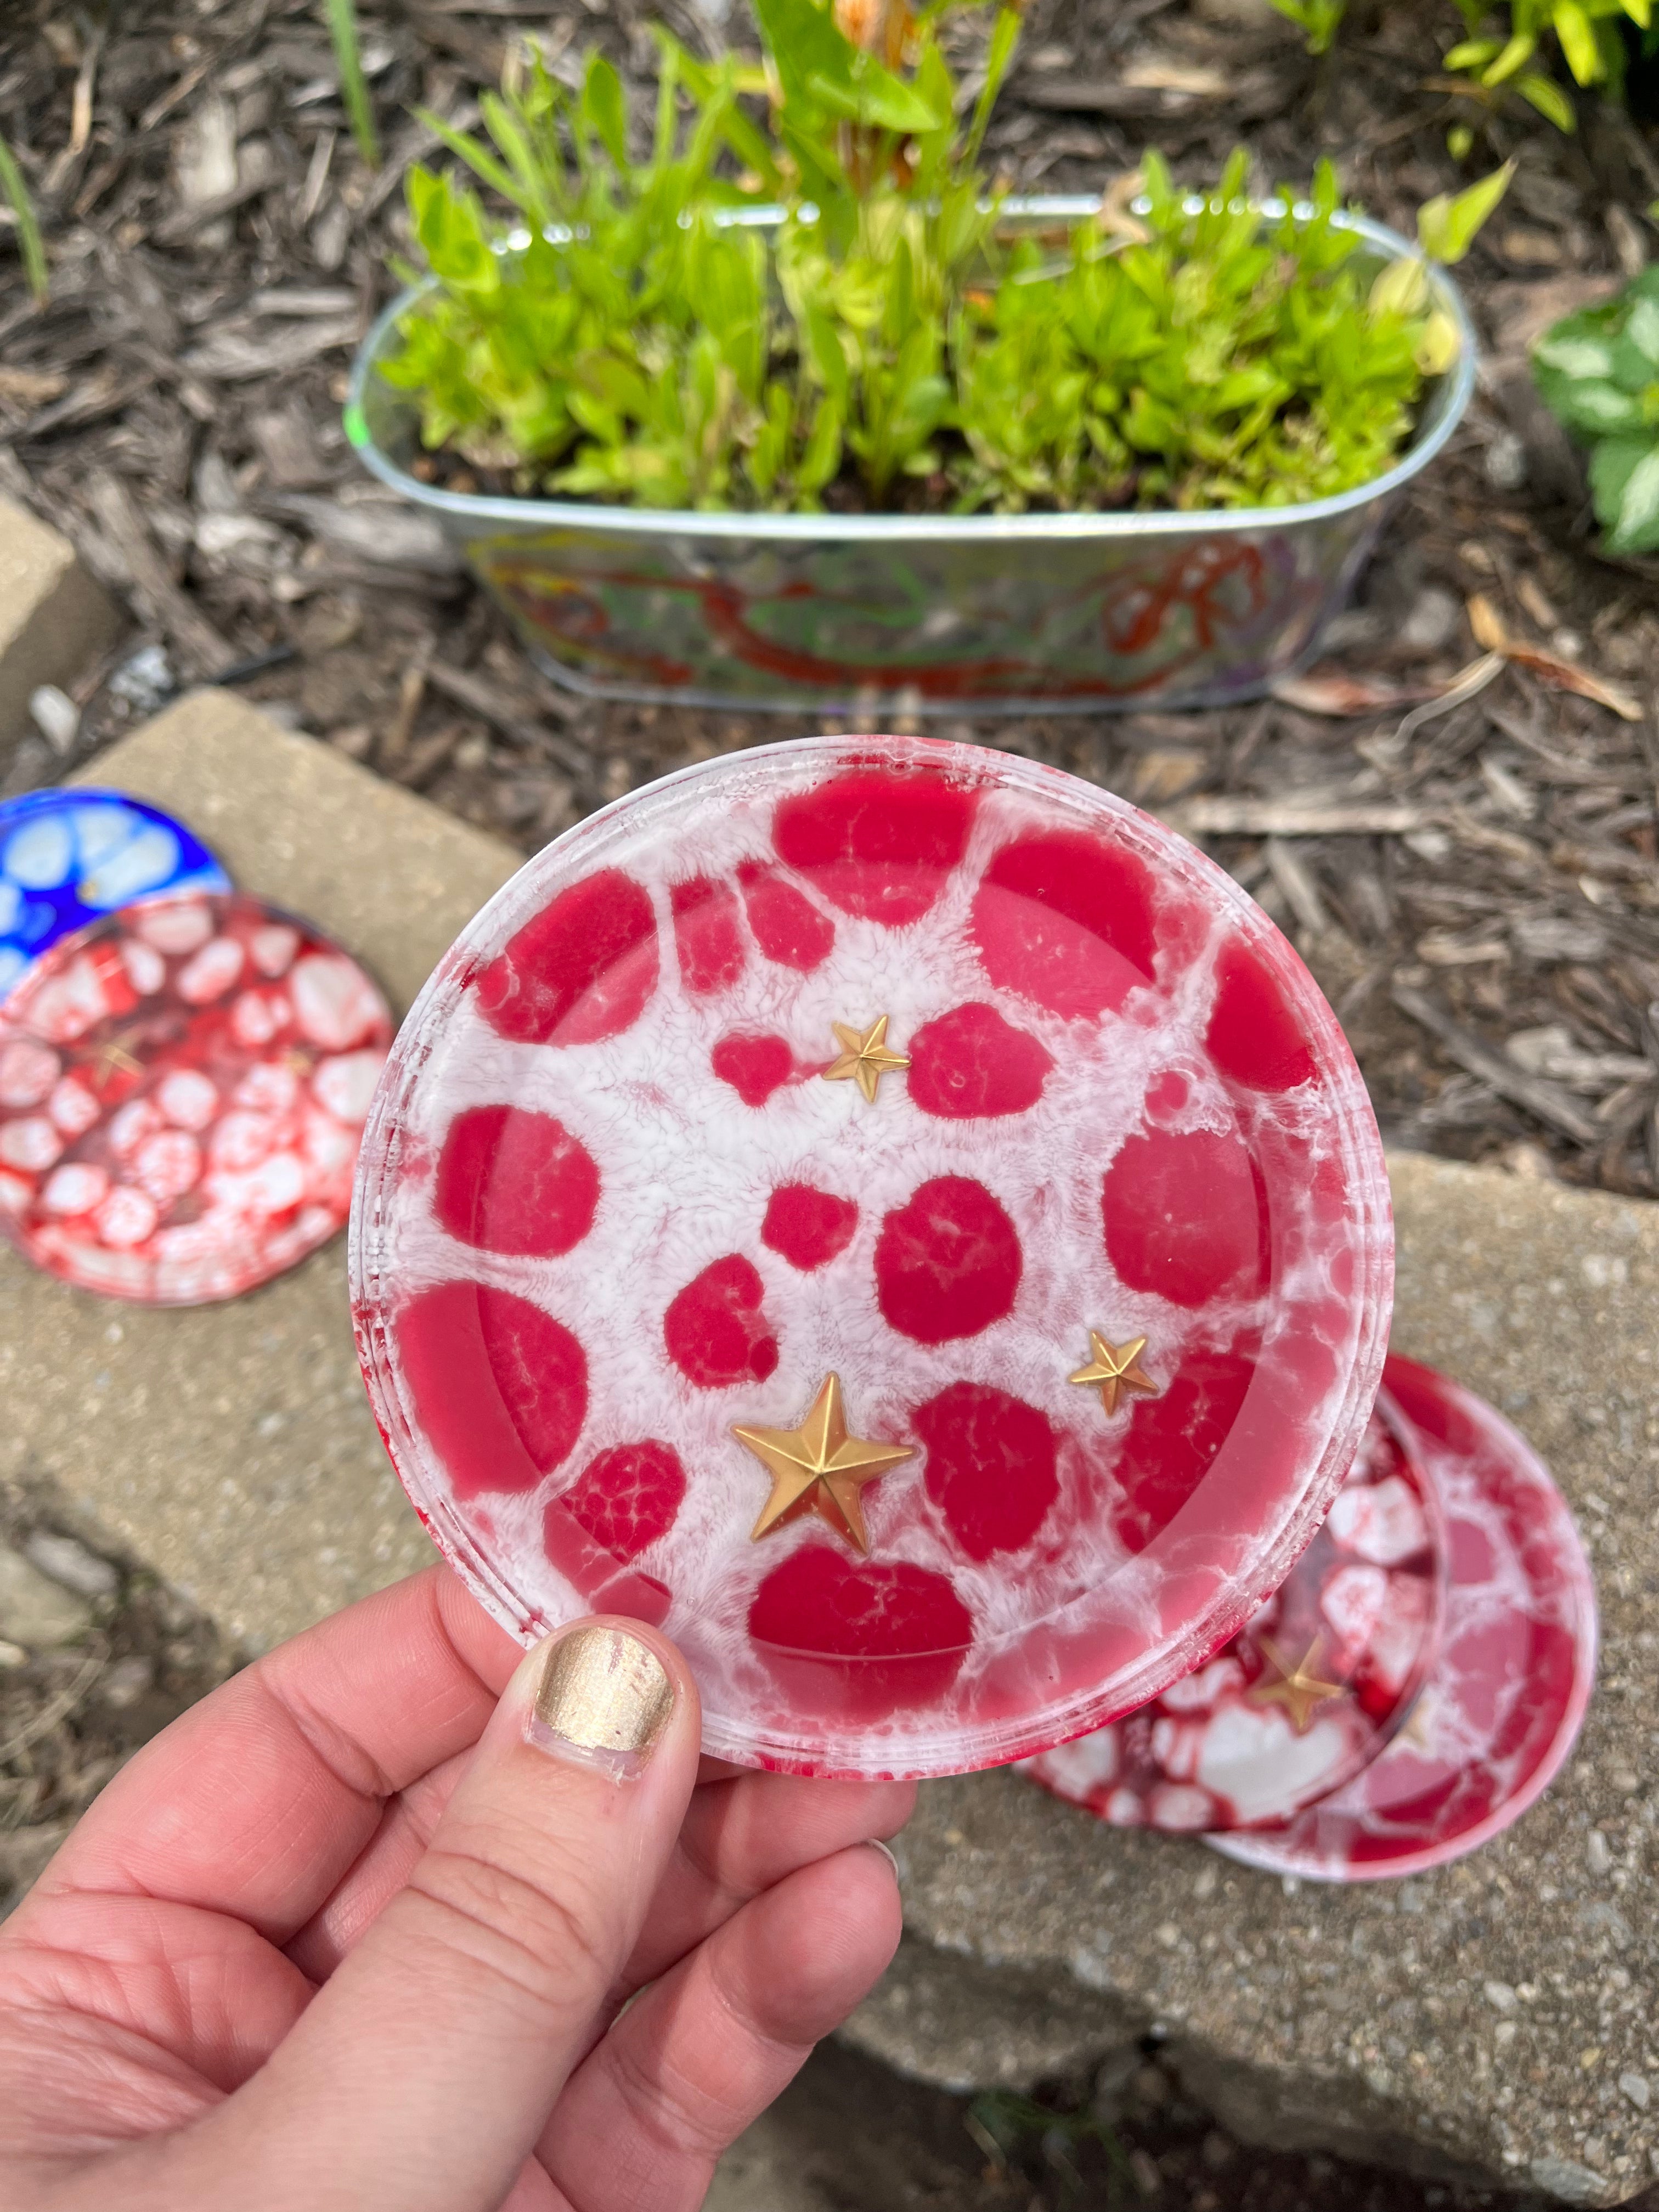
[[1116, 1368], [1296, 1689], [1418, 1726], [112, 1053], [864, 1058], [819, 1465]]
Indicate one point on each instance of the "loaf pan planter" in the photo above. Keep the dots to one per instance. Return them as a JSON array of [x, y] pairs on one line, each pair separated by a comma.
[[922, 614]]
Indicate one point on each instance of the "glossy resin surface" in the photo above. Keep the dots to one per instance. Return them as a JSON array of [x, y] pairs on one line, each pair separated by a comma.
[[949, 1078], [182, 1086], [1305, 1696], [1510, 1686], [67, 857]]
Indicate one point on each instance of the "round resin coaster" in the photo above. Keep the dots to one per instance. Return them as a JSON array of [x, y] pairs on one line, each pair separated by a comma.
[[182, 1091], [1509, 1684], [895, 1215], [1309, 1692], [68, 856]]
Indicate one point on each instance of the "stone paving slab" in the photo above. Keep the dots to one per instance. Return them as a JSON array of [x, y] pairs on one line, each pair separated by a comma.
[[1499, 2018], [230, 1446], [53, 617]]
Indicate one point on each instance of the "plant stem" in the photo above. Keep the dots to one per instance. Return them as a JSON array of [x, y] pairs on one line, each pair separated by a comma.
[[354, 87], [29, 241]]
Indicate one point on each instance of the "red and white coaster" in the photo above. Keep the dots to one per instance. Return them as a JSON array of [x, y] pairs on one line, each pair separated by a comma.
[[1306, 1695], [183, 1085], [894, 1214], [1508, 1687]]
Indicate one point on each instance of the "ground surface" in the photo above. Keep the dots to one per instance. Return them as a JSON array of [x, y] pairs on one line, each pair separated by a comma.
[[218, 250]]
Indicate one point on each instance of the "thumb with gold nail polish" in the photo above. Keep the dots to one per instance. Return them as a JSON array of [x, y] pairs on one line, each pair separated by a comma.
[[424, 2070]]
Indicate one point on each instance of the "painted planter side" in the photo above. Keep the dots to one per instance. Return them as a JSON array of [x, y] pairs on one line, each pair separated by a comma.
[[919, 614]]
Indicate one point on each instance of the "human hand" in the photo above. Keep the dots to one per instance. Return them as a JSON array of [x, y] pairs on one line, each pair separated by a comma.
[[351, 1933]]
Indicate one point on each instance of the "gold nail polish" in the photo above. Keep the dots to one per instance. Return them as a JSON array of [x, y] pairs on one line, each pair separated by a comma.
[[605, 1698]]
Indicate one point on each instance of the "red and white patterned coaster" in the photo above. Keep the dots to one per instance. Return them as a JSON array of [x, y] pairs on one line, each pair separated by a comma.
[[183, 1085], [1304, 1697], [896, 1215], [1510, 1686]]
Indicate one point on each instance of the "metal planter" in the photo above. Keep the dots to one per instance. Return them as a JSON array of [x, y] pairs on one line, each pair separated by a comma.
[[980, 614]]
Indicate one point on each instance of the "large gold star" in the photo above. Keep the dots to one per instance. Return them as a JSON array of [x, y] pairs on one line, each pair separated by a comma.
[[864, 1058], [1296, 1689], [819, 1465], [1116, 1368]]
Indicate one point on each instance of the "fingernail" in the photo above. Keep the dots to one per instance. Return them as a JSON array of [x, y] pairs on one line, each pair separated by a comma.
[[876, 1844], [604, 1699]]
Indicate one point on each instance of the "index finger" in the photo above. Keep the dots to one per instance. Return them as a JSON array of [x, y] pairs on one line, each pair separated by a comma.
[[257, 1801]]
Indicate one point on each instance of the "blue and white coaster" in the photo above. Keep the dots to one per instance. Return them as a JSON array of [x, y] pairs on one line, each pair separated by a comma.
[[68, 856]]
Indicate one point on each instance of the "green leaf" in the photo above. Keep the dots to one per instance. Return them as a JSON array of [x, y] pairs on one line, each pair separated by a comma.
[[1642, 328], [1582, 358], [1548, 98], [1572, 28], [604, 108], [1515, 55], [1446, 227], [1472, 53], [1624, 484]]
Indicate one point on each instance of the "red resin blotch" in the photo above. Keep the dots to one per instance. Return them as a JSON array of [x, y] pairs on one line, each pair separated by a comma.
[[970, 1065], [500, 1387], [715, 1330], [626, 1497], [1067, 921], [1253, 1036], [1185, 1215], [808, 1227], [510, 1180], [877, 843], [580, 970], [788, 928], [990, 1468], [900, 1631], [708, 935], [754, 1066], [1174, 1437], [948, 1263]]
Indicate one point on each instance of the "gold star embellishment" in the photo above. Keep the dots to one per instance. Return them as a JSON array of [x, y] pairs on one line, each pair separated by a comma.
[[1296, 1688], [1116, 1368], [113, 1055], [819, 1466], [864, 1058]]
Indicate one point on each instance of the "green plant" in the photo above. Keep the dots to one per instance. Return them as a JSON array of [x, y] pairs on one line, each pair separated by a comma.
[[29, 242], [1321, 18], [1585, 31], [354, 86], [1598, 372], [889, 340]]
